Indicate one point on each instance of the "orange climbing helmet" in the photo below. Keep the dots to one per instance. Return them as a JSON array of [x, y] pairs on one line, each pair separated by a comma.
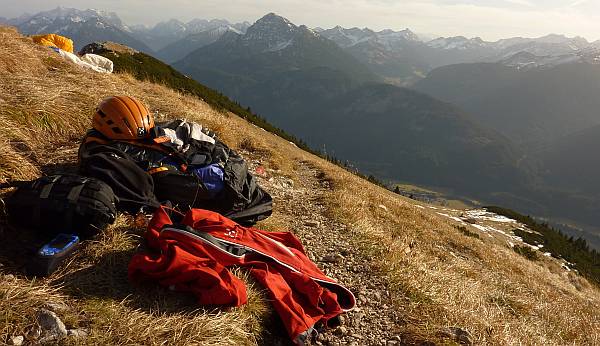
[[123, 117]]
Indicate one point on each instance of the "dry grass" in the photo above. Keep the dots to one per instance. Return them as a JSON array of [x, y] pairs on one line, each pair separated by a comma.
[[444, 278], [440, 277], [45, 108]]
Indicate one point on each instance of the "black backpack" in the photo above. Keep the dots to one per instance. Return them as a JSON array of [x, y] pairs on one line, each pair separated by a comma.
[[128, 168], [63, 204]]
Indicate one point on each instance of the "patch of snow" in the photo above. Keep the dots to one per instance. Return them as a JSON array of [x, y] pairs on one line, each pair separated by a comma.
[[280, 46], [231, 28], [459, 43], [482, 214], [488, 229], [451, 217], [480, 227], [420, 206], [548, 254]]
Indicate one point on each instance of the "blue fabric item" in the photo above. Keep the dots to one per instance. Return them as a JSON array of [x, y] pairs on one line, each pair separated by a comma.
[[212, 177]]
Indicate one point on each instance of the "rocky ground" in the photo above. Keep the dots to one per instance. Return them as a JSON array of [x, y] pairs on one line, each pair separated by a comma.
[[333, 246]]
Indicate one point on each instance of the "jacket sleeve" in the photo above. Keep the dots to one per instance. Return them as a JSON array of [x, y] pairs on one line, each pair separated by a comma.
[[178, 269]]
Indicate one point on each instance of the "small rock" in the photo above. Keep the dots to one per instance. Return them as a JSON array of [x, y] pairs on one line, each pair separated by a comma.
[[312, 223], [48, 339], [77, 333], [16, 340], [391, 343], [457, 334], [56, 307], [51, 323], [332, 258], [34, 333], [341, 330], [358, 317]]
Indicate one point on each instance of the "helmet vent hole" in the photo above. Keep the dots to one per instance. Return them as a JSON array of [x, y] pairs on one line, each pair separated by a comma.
[[117, 130], [102, 114], [110, 122]]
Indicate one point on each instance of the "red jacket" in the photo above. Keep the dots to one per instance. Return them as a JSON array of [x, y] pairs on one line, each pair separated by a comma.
[[193, 257]]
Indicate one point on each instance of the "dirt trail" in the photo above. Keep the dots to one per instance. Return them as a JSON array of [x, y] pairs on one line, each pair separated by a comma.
[[335, 249]]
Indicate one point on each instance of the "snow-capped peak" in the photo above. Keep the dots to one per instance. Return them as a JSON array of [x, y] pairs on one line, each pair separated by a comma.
[[457, 42], [273, 20], [405, 34], [79, 15], [170, 27], [66, 16], [353, 36], [271, 32]]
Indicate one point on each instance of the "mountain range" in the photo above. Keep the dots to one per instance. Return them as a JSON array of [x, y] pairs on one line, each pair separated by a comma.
[[398, 57], [86, 26], [402, 58], [318, 91], [82, 26], [485, 142]]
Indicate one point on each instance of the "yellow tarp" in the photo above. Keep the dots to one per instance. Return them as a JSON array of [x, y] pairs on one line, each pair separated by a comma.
[[54, 40]]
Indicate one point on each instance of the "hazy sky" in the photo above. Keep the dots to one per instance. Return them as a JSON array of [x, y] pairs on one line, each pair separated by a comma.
[[490, 19]]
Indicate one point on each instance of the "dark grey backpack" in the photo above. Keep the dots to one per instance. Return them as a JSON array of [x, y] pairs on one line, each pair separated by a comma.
[[63, 204]]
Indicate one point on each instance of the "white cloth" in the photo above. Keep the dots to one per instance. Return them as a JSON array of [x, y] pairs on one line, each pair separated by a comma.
[[180, 136], [92, 61], [99, 61]]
